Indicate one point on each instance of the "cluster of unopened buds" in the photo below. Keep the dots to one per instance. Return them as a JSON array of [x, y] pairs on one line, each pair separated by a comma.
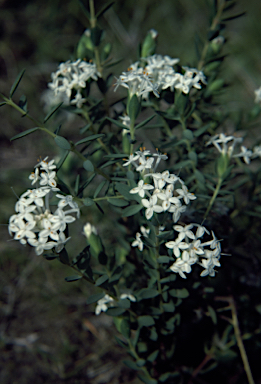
[[70, 79], [226, 144], [34, 222], [156, 73]]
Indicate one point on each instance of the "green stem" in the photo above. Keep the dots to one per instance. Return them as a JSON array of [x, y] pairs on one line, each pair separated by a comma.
[[213, 198], [235, 323], [216, 20], [93, 22]]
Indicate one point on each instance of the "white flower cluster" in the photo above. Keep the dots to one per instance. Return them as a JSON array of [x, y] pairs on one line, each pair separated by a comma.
[[34, 223], [156, 73], [72, 76], [188, 248], [161, 195], [227, 144], [108, 301]]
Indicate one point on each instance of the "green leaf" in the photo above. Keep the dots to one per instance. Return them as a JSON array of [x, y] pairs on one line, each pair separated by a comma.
[[16, 83], [180, 293], [25, 133], [212, 314], [99, 188], [62, 142], [69, 279], [87, 201], [148, 293], [125, 328], [90, 138], [50, 114], [187, 134], [104, 9], [118, 202], [153, 334], [233, 17], [146, 321], [145, 379], [124, 189], [164, 259], [133, 108], [116, 156], [168, 375], [62, 159], [101, 280], [121, 342], [95, 298], [168, 307], [63, 257], [131, 210], [77, 182], [50, 256], [131, 364], [118, 123], [102, 257], [3, 103], [23, 103], [152, 357], [87, 164], [115, 311], [140, 125], [124, 303]]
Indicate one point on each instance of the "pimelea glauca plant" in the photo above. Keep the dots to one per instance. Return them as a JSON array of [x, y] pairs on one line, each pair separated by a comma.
[[160, 165]]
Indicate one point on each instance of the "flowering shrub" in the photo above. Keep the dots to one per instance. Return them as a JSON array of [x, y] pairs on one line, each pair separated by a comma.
[[163, 207]]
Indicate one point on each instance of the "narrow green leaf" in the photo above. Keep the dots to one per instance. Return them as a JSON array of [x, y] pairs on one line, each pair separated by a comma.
[[69, 279], [50, 114], [104, 9], [25, 133], [77, 182], [212, 314], [62, 142], [233, 17], [16, 83], [90, 138], [95, 298], [116, 156], [62, 159], [119, 124], [99, 188], [140, 125], [132, 210], [101, 280], [2, 104]]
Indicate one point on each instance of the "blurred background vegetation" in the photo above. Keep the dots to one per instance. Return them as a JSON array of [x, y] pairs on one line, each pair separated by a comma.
[[47, 333]]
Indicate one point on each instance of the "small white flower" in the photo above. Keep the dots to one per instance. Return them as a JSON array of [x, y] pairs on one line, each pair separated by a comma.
[[151, 206], [177, 245], [127, 296], [185, 194], [102, 304], [141, 188]]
